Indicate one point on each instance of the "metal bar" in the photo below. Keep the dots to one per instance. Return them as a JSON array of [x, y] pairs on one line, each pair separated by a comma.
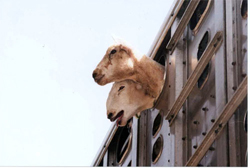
[[219, 124], [204, 60], [182, 25], [165, 27], [105, 145]]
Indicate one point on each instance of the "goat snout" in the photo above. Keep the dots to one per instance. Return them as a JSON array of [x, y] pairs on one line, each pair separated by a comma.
[[98, 76], [94, 74], [110, 115]]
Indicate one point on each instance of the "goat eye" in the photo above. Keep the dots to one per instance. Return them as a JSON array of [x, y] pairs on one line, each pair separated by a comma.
[[113, 51], [122, 87]]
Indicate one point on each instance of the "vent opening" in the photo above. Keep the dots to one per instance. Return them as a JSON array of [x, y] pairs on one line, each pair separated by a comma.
[[244, 9], [202, 46], [157, 149], [183, 8], [199, 14], [161, 53], [157, 124], [123, 145]]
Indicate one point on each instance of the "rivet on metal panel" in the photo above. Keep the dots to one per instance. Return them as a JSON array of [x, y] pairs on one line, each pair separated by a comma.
[[216, 131], [203, 133], [168, 134], [169, 63], [233, 8], [168, 160], [219, 38], [184, 39], [184, 62], [169, 86], [183, 111], [233, 63], [112, 164], [212, 120], [234, 88], [196, 122], [215, 45], [244, 50], [233, 21], [220, 125], [204, 109], [195, 146], [211, 148], [212, 96], [183, 138], [104, 146]]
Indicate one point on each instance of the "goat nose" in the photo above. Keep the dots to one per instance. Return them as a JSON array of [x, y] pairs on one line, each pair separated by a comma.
[[94, 75], [110, 115]]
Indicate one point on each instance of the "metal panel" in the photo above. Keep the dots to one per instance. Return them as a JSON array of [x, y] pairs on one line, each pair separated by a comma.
[[220, 84], [236, 69], [220, 123], [208, 53]]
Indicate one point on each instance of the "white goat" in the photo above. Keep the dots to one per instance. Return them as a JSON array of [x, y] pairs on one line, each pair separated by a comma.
[[126, 99]]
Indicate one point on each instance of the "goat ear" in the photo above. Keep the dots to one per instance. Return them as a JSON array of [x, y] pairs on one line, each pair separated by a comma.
[[117, 39], [126, 49]]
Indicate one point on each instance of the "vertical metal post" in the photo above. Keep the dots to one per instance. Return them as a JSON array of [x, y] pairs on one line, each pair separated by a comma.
[[220, 83], [142, 140], [179, 122]]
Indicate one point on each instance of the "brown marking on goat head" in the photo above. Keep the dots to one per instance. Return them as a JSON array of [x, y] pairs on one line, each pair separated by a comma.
[[116, 65]]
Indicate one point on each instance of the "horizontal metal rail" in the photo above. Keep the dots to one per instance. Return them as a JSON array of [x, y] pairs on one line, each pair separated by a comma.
[[219, 124], [182, 25], [192, 80]]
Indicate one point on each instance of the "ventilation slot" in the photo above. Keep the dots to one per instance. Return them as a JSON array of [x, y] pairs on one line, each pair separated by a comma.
[[161, 53], [244, 9], [183, 8], [157, 149], [199, 15], [123, 145], [129, 165], [157, 124], [202, 46]]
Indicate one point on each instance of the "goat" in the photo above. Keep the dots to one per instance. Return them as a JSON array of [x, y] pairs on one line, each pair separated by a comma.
[[126, 99], [121, 62]]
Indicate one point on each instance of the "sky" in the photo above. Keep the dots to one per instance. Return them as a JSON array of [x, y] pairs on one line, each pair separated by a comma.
[[52, 113]]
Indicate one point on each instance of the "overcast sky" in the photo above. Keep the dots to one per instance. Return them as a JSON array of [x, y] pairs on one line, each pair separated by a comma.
[[52, 113]]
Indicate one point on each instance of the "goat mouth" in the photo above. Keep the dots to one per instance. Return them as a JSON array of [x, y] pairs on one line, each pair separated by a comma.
[[118, 117], [99, 78]]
